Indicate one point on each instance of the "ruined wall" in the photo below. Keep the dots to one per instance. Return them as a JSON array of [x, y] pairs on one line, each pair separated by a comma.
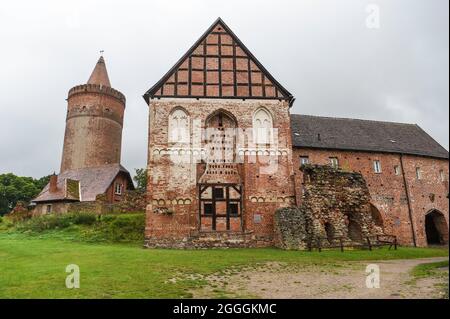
[[172, 211], [387, 188], [94, 122], [335, 205], [292, 228]]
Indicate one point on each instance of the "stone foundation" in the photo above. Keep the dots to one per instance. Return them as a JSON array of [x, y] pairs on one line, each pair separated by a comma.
[[211, 240]]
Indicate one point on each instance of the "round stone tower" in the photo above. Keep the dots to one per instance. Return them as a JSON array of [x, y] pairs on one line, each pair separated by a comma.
[[94, 123]]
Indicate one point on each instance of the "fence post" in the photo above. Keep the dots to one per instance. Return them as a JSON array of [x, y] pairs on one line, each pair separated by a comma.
[[368, 242], [342, 244]]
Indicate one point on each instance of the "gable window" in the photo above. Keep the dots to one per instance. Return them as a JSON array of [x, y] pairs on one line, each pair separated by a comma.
[[334, 162], [418, 173], [179, 126], [397, 170], [304, 160], [377, 167], [262, 126], [118, 188]]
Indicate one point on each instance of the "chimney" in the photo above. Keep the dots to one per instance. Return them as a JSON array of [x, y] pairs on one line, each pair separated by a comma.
[[53, 183]]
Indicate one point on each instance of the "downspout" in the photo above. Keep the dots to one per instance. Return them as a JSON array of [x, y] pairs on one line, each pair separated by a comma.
[[408, 200]]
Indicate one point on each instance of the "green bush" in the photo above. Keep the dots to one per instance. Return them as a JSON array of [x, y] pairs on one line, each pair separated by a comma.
[[84, 218], [87, 227], [127, 227], [1, 219], [53, 221]]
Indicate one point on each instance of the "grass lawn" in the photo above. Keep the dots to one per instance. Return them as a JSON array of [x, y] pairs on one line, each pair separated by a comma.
[[35, 267]]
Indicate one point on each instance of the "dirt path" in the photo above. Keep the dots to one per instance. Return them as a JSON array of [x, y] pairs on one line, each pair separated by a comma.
[[324, 281]]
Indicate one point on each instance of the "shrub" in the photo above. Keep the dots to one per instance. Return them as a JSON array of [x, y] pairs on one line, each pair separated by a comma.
[[87, 226], [1, 219], [84, 218], [129, 227]]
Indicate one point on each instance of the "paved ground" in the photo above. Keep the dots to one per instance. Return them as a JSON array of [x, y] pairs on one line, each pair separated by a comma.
[[339, 280]]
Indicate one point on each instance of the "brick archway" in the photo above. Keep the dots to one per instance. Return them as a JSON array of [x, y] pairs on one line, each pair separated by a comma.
[[436, 228]]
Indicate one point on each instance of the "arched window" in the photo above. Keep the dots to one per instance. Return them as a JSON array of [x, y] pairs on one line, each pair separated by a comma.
[[262, 126], [179, 126]]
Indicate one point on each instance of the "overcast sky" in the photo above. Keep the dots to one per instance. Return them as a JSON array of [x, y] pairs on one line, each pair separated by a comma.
[[320, 50]]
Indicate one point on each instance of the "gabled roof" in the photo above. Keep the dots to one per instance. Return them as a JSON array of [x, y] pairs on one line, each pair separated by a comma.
[[100, 74], [92, 181], [363, 135], [219, 65]]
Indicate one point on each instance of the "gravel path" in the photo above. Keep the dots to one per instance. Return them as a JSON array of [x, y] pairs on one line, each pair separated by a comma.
[[326, 281]]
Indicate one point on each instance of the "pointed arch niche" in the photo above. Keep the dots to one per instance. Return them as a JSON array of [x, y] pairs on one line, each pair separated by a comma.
[[179, 126], [262, 126]]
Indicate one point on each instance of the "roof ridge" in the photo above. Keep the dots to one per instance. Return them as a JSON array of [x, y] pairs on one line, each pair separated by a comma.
[[354, 119]]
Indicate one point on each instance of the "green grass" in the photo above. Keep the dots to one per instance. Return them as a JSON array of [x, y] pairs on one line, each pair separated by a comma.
[[427, 270], [431, 270], [82, 227], [33, 267]]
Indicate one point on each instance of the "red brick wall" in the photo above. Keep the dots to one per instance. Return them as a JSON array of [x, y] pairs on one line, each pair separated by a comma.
[[172, 187], [93, 135], [388, 189]]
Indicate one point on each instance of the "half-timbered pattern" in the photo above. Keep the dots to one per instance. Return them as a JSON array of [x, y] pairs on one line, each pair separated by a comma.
[[219, 66]]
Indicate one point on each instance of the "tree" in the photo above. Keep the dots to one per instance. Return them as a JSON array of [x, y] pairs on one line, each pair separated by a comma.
[[140, 178], [16, 188]]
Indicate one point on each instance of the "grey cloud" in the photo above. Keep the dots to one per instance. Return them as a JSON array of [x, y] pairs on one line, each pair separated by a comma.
[[320, 50]]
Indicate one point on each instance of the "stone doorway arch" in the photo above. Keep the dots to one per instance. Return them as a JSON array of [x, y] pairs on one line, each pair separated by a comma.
[[436, 228], [376, 216]]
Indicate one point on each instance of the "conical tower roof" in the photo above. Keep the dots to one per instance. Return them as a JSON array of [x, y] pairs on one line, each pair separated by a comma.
[[100, 75]]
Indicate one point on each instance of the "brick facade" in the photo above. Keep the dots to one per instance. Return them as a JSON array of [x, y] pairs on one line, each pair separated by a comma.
[[222, 160], [387, 189], [173, 191]]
